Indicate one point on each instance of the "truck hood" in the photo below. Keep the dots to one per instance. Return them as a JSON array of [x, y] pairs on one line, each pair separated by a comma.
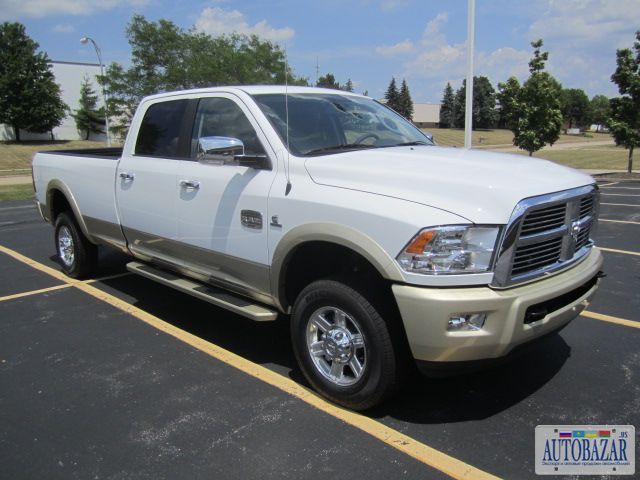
[[483, 187]]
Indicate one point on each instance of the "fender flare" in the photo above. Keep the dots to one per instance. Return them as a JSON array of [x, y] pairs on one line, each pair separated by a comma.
[[337, 234], [60, 186]]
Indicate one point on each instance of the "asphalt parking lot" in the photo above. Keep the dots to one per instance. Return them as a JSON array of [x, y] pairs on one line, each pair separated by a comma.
[[124, 378]]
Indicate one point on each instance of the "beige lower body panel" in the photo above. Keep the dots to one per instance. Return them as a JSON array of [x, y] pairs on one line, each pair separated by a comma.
[[426, 312]]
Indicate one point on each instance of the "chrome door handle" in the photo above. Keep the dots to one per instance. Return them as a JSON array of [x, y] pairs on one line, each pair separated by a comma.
[[190, 184], [127, 176]]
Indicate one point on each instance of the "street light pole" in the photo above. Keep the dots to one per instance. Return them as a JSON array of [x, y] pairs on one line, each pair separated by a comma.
[[84, 41], [468, 123]]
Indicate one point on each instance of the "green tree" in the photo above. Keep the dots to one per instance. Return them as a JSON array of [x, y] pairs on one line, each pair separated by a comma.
[[348, 86], [165, 57], [532, 111], [405, 102], [328, 81], [392, 95], [484, 104], [600, 109], [574, 105], [89, 119], [624, 121], [446, 107], [459, 106], [508, 101], [29, 97]]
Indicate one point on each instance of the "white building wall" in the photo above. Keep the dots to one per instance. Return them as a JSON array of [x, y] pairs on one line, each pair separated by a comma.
[[69, 76]]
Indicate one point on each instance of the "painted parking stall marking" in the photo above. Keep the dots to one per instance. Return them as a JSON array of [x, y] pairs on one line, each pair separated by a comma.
[[428, 455]]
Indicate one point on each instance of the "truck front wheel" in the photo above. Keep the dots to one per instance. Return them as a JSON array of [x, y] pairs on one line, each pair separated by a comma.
[[76, 253], [343, 345]]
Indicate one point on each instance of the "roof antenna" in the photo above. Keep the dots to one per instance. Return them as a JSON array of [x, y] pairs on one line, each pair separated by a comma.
[[287, 167]]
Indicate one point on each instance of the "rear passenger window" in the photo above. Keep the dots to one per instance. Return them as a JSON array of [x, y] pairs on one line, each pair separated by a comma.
[[160, 129]]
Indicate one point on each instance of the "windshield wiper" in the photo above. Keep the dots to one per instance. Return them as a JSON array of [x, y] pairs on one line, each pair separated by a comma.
[[345, 147], [408, 144]]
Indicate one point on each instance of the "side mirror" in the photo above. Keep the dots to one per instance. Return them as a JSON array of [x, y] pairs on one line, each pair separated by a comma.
[[228, 151], [219, 150]]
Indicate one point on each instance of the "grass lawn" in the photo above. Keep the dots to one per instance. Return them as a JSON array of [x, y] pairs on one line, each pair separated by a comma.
[[454, 137], [597, 157], [15, 192], [15, 158]]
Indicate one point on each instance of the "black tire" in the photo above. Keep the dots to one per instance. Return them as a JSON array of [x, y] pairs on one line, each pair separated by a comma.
[[77, 255], [332, 320]]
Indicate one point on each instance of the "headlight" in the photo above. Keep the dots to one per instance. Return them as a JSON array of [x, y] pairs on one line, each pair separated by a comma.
[[450, 250]]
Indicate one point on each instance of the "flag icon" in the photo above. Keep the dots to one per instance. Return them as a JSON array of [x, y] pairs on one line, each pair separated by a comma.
[[578, 434], [591, 434], [604, 433], [565, 434]]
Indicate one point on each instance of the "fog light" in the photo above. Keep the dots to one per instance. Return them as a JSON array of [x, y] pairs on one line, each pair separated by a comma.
[[465, 322]]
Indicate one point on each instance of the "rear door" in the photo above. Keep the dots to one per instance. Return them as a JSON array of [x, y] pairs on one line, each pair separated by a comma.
[[222, 217], [146, 180]]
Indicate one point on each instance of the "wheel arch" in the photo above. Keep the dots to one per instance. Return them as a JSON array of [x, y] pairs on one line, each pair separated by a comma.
[[327, 245], [60, 199]]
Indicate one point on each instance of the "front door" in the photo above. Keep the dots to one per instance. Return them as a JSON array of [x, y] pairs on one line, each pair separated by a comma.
[[222, 217]]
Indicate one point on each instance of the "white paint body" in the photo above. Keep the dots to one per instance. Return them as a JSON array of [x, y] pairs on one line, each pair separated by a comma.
[[372, 201], [387, 195]]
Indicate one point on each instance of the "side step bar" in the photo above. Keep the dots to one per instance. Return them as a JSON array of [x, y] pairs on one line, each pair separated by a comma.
[[218, 297]]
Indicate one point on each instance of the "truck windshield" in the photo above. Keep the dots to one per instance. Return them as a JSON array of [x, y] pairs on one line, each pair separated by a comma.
[[321, 124]]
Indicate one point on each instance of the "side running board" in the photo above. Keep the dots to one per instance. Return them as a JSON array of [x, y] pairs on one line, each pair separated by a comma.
[[216, 296]]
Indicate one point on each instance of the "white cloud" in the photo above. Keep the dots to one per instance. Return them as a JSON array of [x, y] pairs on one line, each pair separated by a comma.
[[43, 8], [392, 4], [216, 21], [582, 22], [581, 37], [432, 30], [63, 28], [502, 63], [400, 48]]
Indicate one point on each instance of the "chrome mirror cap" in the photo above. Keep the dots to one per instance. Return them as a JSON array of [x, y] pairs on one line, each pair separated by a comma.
[[219, 150]]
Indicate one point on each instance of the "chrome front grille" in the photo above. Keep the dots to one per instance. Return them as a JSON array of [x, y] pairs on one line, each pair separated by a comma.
[[532, 257], [546, 234]]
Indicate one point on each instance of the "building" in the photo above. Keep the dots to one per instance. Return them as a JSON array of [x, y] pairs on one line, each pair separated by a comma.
[[426, 115], [69, 75]]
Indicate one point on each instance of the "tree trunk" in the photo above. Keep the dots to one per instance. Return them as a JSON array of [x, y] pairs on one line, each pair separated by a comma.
[[530, 153], [87, 135], [16, 133], [630, 165]]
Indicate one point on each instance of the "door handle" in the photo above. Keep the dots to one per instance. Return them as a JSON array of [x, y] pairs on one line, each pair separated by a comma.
[[127, 176], [190, 184]]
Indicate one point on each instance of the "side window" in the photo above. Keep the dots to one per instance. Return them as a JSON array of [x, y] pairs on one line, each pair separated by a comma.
[[221, 117], [160, 129]]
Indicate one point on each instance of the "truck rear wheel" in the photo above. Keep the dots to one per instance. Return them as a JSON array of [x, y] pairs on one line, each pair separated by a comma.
[[343, 345], [76, 253]]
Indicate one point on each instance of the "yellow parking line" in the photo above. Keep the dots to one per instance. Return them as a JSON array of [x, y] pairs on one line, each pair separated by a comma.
[[610, 319], [58, 287], [621, 204], [34, 292], [618, 221], [613, 250], [423, 453]]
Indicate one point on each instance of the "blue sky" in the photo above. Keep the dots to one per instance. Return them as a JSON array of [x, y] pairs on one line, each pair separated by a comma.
[[368, 41]]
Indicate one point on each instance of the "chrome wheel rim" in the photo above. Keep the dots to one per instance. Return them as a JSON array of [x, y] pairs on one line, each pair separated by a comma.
[[65, 246], [336, 346]]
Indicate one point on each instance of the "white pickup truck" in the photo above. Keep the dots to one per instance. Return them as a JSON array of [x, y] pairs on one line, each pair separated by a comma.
[[329, 208]]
